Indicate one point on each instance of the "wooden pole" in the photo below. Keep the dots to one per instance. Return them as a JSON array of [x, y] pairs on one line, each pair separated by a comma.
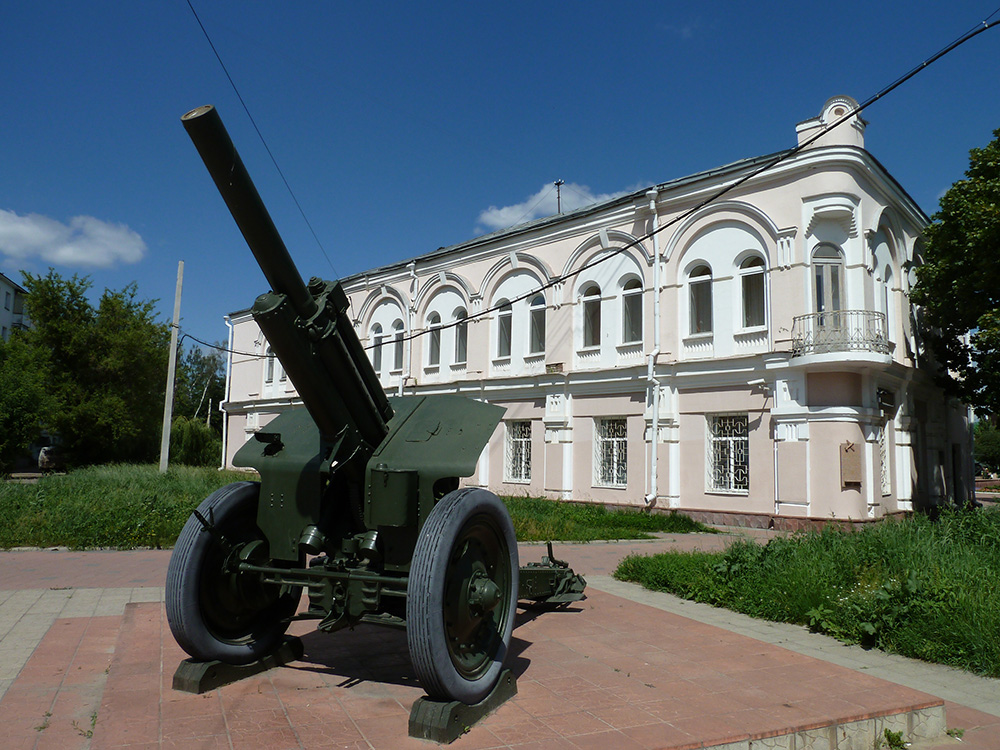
[[168, 398]]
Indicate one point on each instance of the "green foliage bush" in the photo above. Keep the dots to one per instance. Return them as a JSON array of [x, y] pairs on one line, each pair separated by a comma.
[[922, 588]]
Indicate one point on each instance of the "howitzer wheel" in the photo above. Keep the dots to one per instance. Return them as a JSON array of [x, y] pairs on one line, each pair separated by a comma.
[[216, 614], [461, 597]]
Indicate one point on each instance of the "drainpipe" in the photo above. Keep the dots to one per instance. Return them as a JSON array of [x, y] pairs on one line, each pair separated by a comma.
[[225, 401], [654, 384]]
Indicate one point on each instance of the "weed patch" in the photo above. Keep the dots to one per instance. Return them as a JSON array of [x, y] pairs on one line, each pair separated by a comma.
[[922, 588]]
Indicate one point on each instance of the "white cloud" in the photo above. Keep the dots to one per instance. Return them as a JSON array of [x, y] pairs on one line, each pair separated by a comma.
[[85, 241], [542, 203]]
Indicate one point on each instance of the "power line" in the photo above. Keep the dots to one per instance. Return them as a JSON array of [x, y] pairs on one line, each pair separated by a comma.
[[767, 165], [261, 137]]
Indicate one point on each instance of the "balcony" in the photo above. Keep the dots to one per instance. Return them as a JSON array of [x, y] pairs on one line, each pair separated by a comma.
[[861, 331]]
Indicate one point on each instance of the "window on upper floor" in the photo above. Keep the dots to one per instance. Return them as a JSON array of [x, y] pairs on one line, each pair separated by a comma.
[[397, 345], [461, 336], [505, 318], [6, 301], [434, 339], [700, 289], [752, 281], [376, 338], [591, 300], [632, 311], [269, 363], [828, 275], [536, 313], [273, 371]]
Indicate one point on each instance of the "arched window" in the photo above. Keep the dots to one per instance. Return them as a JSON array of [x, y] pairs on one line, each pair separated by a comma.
[[397, 345], [828, 273], [434, 339], [461, 336], [752, 276], [505, 316], [376, 338], [632, 311], [700, 282], [269, 366], [536, 342], [592, 316]]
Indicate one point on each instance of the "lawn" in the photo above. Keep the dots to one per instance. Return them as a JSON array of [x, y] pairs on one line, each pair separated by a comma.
[[125, 507]]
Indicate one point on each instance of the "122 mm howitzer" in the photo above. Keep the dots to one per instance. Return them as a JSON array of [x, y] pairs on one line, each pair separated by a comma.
[[364, 487]]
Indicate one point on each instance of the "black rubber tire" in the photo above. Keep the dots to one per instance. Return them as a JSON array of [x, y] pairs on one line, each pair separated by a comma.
[[468, 528], [214, 615]]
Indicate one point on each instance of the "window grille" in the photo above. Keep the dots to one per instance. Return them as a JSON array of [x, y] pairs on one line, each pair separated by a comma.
[[517, 466], [728, 453], [610, 453], [883, 454]]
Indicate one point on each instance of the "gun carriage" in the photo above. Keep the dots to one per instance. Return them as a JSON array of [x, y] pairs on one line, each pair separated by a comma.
[[358, 501]]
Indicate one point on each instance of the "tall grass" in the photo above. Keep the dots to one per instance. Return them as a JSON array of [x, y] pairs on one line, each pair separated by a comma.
[[135, 506], [922, 588], [120, 506]]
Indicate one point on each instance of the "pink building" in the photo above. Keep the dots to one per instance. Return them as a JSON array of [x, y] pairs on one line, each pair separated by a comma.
[[758, 357]]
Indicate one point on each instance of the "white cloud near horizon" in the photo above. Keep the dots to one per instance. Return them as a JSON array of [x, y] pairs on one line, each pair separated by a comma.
[[542, 203], [84, 241]]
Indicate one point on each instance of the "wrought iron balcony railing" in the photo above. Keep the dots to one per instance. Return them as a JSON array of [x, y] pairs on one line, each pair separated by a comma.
[[839, 331]]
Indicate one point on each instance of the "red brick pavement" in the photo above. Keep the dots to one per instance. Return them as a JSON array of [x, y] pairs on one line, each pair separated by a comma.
[[609, 673]]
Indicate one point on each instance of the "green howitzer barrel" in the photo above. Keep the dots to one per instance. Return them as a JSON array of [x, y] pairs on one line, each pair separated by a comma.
[[306, 326], [365, 485]]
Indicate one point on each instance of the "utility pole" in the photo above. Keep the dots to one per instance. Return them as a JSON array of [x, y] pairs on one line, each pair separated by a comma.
[[559, 184], [168, 399]]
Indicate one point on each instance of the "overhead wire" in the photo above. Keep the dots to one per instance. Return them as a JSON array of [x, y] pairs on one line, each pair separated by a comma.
[[768, 164], [260, 135]]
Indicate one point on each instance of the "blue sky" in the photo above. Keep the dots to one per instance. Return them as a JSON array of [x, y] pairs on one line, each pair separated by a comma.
[[404, 127]]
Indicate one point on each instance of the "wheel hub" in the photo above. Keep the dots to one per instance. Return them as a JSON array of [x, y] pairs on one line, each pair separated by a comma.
[[484, 595]]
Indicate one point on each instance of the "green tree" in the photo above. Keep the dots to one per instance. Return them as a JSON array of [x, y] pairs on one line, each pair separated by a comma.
[[987, 445], [958, 284], [199, 384], [104, 367], [194, 443], [24, 398]]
